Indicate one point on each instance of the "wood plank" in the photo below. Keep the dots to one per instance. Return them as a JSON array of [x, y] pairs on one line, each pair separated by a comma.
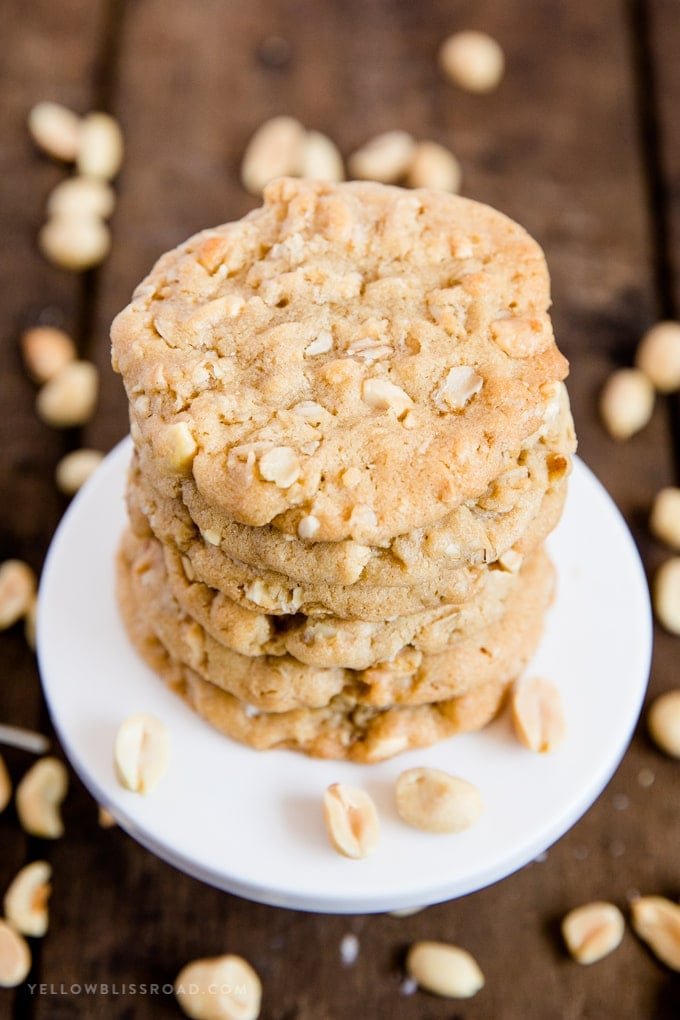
[[190, 88]]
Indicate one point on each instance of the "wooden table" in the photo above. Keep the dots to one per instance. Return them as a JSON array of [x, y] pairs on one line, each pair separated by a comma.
[[581, 144]]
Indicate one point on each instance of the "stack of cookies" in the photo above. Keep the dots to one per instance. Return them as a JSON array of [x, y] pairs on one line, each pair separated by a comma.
[[351, 439]]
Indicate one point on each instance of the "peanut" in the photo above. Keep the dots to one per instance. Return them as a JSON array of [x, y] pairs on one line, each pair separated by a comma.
[[321, 160], [75, 468], [658, 356], [81, 196], [351, 820], [663, 722], [657, 922], [666, 593], [459, 385], [664, 520], [275, 150], [38, 798], [626, 402], [219, 988], [141, 752], [538, 715], [75, 243], [70, 397], [45, 351], [444, 969], [592, 931], [434, 801], [433, 166], [17, 591], [385, 158], [100, 152], [15, 957], [472, 60], [55, 129], [26, 899]]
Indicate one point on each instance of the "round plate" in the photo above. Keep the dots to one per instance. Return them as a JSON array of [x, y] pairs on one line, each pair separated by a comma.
[[251, 822]]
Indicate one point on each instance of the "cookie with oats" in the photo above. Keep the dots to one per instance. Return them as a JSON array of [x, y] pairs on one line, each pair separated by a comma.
[[348, 361]]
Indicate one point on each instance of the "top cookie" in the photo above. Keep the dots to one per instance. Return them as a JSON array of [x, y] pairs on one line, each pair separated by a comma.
[[347, 361]]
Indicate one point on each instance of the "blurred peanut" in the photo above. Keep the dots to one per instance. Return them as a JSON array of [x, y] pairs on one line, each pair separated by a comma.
[[663, 722], [275, 150], [39, 795], [385, 158], [666, 595], [26, 899], [45, 351], [5, 785], [100, 152], [664, 520], [444, 969], [75, 243], [538, 715], [74, 469], [17, 590], [141, 752], [321, 159], [658, 356], [219, 988], [433, 166], [55, 129], [70, 397], [592, 931], [656, 921], [15, 957], [81, 197], [434, 801], [626, 402], [473, 60], [351, 820]]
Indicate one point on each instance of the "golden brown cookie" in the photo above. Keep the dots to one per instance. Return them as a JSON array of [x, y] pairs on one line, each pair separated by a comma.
[[349, 361]]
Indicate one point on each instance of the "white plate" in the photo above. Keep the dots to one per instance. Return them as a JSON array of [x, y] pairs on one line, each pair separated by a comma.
[[251, 823]]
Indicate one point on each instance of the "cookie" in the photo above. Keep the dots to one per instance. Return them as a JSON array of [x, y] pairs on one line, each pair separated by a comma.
[[281, 683], [478, 531], [349, 361], [324, 641]]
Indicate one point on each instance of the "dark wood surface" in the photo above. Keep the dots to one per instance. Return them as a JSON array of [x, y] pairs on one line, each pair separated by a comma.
[[581, 144]]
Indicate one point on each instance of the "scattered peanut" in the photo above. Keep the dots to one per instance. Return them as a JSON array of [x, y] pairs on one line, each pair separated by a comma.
[[626, 402], [26, 899], [141, 752], [219, 988], [15, 957], [459, 385], [38, 798], [385, 158], [81, 196], [538, 715], [351, 820], [100, 152], [663, 722], [74, 469], [31, 623], [26, 740], [70, 397], [17, 591], [664, 520], [658, 356], [667, 595], [434, 801], [55, 129], [657, 922], [75, 243], [105, 818], [444, 969], [275, 150], [321, 159], [45, 351], [472, 60], [280, 465], [5, 785], [433, 166], [592, 931]]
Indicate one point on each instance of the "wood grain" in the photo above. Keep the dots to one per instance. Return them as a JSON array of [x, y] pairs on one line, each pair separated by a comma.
[[565, 147]]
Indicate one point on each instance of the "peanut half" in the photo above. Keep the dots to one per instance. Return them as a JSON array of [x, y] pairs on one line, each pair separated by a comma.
[[626, 402], [351, 820], [664, 519], [5, 785], [15, 957], [70, 397], [657, 922], [667, 595], [658, 356], [26, 899], [100, 151], [592, 931], [275, 150], [55, 129], [385, 158], [538, 715], [444, 969], [434, 801], [219, 988], [38, 798], [142, 752], [74, 469]]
